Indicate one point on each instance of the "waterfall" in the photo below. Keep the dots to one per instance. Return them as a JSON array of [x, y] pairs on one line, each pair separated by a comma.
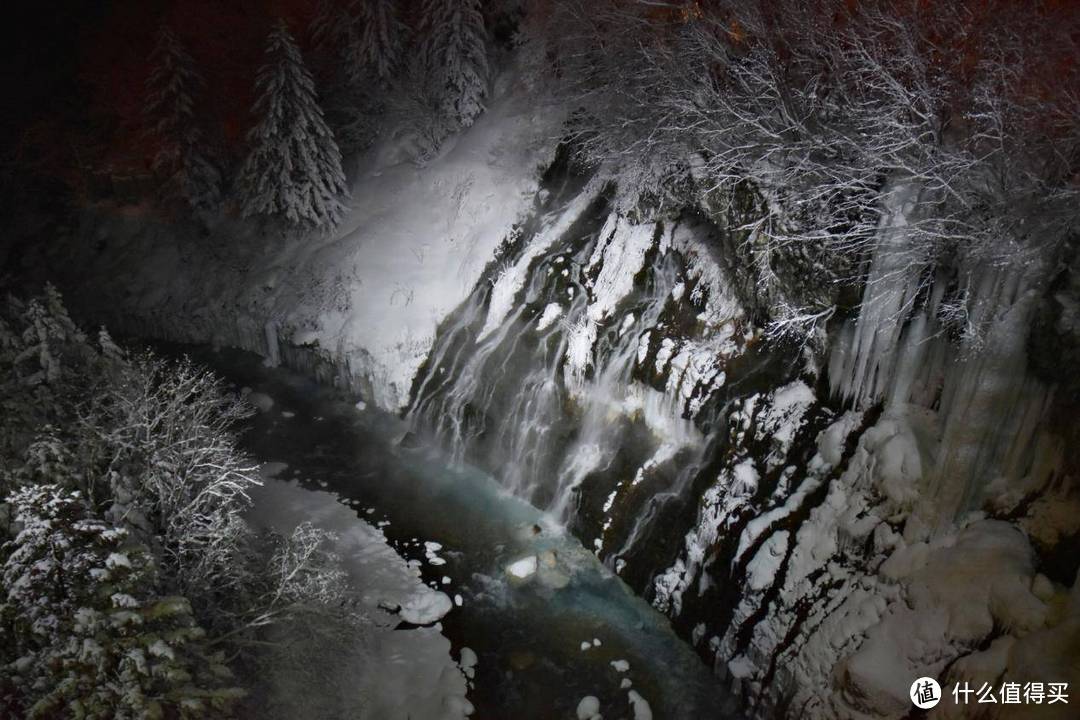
[[864, 366], [991, 407], [575, 369]]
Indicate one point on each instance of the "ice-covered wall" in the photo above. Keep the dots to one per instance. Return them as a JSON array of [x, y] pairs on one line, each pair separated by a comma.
[[955, 341], [578, 365], [895, 520]]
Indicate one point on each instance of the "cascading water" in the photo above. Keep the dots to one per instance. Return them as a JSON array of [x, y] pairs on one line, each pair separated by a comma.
[[603, 370], [577, 370]]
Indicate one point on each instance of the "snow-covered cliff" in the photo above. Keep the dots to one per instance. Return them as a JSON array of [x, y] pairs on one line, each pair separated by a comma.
[[824, 537]]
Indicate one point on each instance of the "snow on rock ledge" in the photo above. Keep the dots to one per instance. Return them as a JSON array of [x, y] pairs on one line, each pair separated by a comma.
[[844, 596]]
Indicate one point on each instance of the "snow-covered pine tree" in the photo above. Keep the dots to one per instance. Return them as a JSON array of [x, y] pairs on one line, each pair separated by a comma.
[[294, 165], [454, 47], [366, 34], [379, 43], [170, 109], [83, 631]]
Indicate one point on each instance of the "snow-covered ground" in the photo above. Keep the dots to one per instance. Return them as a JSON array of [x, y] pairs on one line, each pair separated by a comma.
[[417, 239], [403, 673]]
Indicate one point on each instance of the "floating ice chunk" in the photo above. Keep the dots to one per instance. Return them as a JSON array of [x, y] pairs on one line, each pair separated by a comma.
[[642, 711], [425, 607], [445, 580], [620, 665], [626, 683], [457, 600], [468, 661], [596, 642], [430, 550], [361, 405], [522, 568], [585, 645], [287, 414], [588, 708]]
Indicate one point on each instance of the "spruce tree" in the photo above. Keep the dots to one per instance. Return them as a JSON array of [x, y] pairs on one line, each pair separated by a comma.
[[89, 634], [366, 34], [379, 45], [293, 168], [454, 47], [170, 109]]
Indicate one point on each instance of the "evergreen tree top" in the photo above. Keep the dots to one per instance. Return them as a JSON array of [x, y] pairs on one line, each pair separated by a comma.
[[294, 166]]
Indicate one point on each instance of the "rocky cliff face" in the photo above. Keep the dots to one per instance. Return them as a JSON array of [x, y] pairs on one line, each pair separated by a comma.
[[824, 522]]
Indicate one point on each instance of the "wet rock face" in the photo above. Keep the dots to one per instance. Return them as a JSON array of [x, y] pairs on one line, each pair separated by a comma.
[[1054, 344], [615, 372], [766, 274]]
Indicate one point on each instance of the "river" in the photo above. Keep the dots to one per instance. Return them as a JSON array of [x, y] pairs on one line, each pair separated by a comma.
[[528, 633]]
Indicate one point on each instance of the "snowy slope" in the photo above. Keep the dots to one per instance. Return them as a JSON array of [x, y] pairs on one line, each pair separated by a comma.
[[370, 295], [417, 240]]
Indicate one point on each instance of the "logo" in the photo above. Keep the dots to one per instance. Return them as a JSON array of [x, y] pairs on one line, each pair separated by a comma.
[[925, 693]]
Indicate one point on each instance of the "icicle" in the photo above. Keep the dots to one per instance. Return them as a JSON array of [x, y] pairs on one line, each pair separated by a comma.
[[273, 354], [863, 365], [991, 408]]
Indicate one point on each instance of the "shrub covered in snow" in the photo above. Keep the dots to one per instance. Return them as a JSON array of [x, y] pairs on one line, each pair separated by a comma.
[[122, 490], [824, 110], [84, 632]]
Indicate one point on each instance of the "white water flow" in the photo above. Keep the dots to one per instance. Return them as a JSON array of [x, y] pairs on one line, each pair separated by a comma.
[[543, 402]]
